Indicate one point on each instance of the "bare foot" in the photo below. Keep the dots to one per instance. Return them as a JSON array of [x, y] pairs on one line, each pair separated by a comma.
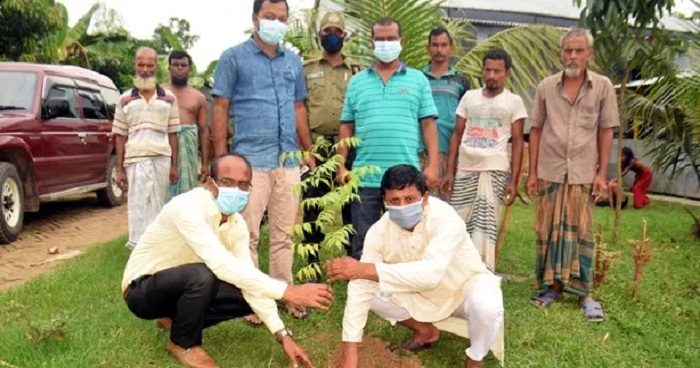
[[427, 335], [469, 363]]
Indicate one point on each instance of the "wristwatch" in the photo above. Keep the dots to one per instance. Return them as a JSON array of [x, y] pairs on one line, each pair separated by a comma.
[[279, 335]]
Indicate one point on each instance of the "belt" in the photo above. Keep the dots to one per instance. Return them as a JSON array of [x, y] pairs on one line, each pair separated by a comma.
[[126, 291]]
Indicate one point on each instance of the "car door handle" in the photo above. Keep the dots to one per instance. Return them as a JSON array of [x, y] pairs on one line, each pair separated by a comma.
[[82, 135]]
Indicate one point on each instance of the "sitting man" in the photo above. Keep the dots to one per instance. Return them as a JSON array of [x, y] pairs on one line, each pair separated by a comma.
[[419, 268], [193, 267]]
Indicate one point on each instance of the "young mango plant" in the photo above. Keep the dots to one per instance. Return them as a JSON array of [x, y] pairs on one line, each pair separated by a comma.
[[329, 206]]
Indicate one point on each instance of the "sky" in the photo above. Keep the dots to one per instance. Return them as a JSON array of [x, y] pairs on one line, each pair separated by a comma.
[[219, 23]]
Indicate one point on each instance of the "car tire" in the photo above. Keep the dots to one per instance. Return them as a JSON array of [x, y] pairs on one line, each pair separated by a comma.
[[11, 203], [112, 195]]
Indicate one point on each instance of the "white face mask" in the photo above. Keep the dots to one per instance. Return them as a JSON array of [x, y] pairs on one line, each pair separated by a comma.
[[387, 51], [408, 216], [272, 32]]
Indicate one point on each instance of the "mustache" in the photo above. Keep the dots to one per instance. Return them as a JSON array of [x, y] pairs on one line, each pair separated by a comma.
[[145, 82]]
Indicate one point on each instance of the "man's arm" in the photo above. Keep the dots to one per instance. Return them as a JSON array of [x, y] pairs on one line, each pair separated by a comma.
[[452, 156], [203, 130], [219, 124], [516, 158], [605, 139], [303, 130], [347, 130], [430, 140]]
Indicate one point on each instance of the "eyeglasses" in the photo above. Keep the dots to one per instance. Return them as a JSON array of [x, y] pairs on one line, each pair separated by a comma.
[[230, 183]]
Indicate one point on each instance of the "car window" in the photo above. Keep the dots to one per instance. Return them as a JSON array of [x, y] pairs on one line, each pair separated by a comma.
[[61, 102], [18, 90], [111, 99], [92, 105]]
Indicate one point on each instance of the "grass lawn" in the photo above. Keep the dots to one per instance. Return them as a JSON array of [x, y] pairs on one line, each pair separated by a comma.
[[661, 329]]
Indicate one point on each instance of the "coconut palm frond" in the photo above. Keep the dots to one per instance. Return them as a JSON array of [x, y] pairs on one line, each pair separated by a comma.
[[463, 32], [533, 49]]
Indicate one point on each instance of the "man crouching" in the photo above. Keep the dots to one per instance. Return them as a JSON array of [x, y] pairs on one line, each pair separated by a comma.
[[192, 268], [419, 268]]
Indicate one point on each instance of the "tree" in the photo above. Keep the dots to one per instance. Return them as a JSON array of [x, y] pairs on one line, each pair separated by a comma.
[[26, 29], [180, 29], [629, 40]]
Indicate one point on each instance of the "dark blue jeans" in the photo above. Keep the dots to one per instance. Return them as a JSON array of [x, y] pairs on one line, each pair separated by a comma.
[[365, 213]]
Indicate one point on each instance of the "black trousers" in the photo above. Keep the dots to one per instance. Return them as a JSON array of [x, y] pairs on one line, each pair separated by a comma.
[[311, 214], [191, 296]]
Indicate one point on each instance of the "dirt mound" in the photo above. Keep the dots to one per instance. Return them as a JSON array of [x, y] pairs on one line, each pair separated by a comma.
[[375, 354]]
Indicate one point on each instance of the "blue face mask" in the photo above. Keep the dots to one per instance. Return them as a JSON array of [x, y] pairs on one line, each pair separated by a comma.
[[408, 216], [387, 51], [272, 31], [231, 200]]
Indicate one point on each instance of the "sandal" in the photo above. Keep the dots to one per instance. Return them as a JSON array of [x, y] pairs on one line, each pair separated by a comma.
[[253, 320], [410, 345], [295, 311], [545, 298], [592, 311]]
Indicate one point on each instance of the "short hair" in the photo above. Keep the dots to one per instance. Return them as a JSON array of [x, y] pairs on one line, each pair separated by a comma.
[[573, 32], [179, 54], [386, 22], [498, 54], [147, 49], [257, 4], [438, 31], [402, 176], [214, 168]]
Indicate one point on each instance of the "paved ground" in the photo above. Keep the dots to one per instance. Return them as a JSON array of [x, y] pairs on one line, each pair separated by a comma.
[[71, 225]]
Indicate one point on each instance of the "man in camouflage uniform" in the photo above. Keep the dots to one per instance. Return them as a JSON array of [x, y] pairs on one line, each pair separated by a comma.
[[327, 77]]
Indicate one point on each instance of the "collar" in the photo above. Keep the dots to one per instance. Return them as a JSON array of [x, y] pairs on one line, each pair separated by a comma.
[[345, 61], [402, 67], [160, 92], [587, 79], [255, 48], [450, 72]]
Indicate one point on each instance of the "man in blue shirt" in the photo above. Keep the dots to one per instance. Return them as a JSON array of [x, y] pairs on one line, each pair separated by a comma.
[[387, 107], [261, 86]]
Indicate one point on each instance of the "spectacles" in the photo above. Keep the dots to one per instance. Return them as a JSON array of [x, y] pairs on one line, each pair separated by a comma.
[[230, 183]]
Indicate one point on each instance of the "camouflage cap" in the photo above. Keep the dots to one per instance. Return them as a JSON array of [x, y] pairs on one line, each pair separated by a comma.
[[333, 19]]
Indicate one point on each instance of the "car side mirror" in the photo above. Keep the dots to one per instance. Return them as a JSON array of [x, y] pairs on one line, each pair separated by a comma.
[[57, 107]]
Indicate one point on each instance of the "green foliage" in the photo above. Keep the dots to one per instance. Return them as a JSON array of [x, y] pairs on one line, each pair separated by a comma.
[[38, 331], [178, 35], [27, 28], [329, 205]]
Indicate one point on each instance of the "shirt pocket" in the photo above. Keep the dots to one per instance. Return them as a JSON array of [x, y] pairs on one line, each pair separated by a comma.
[[289, 82], [317, 90], [588, 116]]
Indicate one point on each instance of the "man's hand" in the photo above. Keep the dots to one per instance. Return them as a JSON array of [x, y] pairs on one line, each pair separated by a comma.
[[345, 268], [431, 174], [319, 296], [310, 160], [296, 354], [204, 173], [599, 187], [446, 184], [349, 357], [122, 181], [531, 185], [511, 193], [174, 177], [343, 176]]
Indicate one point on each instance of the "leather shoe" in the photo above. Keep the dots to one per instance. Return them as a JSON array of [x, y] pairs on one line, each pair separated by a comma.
[[194, 357], [165, 323]]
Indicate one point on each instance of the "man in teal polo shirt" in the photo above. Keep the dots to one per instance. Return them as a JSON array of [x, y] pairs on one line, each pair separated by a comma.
[[448, 87], [386, 107]]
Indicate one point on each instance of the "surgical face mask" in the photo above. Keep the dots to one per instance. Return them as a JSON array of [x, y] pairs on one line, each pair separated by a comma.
[[408, 216], [332, 43], [231, 200], [387, 51], [272, 32]]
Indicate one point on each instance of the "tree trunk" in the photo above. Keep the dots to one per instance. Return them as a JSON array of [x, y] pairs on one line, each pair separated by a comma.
[[620, 143]]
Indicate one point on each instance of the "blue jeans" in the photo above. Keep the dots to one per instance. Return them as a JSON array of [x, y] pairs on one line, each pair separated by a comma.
[[365, 213]]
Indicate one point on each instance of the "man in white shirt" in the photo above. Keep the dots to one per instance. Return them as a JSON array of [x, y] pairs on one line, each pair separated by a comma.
[[419, 268], [478, 163], [193, 266]]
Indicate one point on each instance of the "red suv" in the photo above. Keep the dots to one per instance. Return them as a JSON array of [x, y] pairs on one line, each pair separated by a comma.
[[55, 139]]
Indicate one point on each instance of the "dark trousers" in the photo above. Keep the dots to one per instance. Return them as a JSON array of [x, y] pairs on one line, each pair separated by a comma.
[[316, 236], [364, 214], [191, 295]]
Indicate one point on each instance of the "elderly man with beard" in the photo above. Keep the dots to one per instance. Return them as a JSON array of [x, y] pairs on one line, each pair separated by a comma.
[[484, 176], [572, 119], [194, 131], [146, 123]]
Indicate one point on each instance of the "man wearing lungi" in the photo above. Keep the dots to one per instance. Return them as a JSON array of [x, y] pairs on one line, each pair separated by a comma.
[[145, 127], [194, 131], [572, 119]]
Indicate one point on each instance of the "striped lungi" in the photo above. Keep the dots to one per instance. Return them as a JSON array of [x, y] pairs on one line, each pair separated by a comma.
[[478, 196], [564, 230], [148, 192], [187, 159]]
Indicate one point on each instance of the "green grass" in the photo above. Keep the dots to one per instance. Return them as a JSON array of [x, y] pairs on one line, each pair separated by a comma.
[[661, 329]]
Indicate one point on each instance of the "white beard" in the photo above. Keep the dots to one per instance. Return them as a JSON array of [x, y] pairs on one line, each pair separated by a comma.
[[145, 84], [572, 72]]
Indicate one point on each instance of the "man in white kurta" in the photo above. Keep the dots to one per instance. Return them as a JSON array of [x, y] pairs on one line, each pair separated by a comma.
[[419, 268]]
